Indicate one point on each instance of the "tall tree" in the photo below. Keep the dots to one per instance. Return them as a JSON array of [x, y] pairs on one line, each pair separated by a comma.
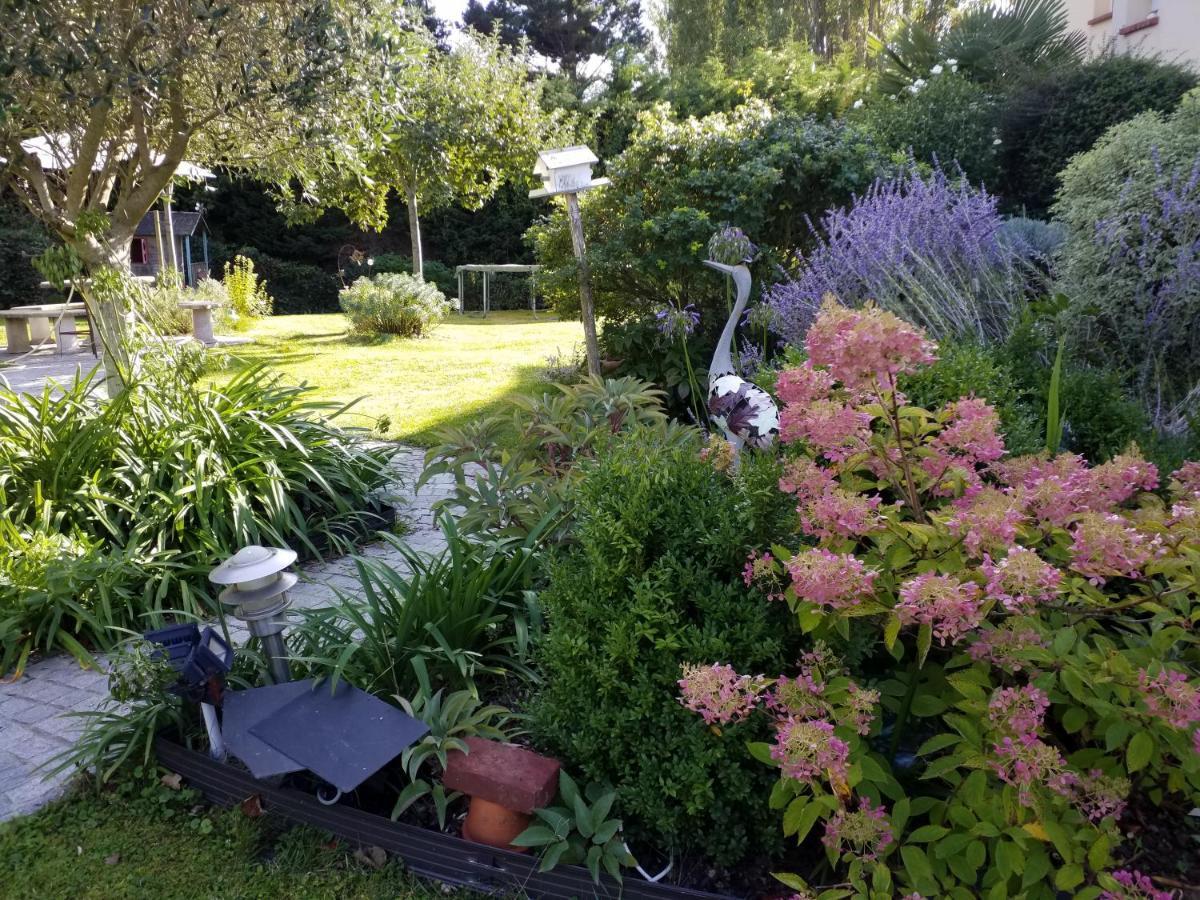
[[115, 94], [469, 123], [569, 32]]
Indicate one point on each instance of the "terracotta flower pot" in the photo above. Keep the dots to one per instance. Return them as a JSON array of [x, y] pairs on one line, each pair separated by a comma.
[[492, 824]]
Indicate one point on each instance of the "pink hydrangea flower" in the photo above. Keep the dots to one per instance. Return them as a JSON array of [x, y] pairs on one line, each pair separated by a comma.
[[1055, 489], [865, 346], [972, 431], [719, 693], [760, 572], [1098, 795], [1134, 886], [1021, 580], [1170, 697], [1025, 761], [799, 697], [803, 385], [806, 750], [805, 479], [1185, 481], [1114, 482], [862, 703], [832, 580], [839, 513], [989, 519], [1005, 647], [831, 428], [1104, 546], [864, 832], [949, 605], [1018, 711]]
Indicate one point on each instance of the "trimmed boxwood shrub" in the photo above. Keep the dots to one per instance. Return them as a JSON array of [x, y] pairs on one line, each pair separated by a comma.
[[654, 580]]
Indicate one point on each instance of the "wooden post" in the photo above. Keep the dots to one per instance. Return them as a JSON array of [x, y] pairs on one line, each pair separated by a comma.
[[159, 250], [586, 309]]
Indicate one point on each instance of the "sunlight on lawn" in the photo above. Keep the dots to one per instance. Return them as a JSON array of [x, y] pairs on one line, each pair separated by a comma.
[[465, 368]]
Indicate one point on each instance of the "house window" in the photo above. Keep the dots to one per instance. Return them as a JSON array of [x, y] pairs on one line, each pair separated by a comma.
[[137, 252]]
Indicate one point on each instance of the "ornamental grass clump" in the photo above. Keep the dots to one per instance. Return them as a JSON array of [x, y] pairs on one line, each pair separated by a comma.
[[931, 249], [1019, 684]]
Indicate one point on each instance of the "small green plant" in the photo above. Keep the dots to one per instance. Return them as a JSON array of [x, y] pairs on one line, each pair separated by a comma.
[[579, 831], [451, 719], [248, 298], [394, 303]]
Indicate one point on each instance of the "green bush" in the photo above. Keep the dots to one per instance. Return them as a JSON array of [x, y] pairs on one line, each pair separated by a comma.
[[433, 271], [1050, 118], [678, 182], [295, 287], [1131, 207], [654, 579], [394, 304], [21, 240], [951, 120], [173, 474]]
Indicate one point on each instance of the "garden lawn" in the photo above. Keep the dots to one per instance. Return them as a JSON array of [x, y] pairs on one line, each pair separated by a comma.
[[149, 842], [412, 387]]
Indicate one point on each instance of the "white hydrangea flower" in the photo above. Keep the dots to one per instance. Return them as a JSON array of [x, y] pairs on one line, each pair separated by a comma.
[[858, 103], [997, 142], [936, 70], [952, 62], [919, 83]]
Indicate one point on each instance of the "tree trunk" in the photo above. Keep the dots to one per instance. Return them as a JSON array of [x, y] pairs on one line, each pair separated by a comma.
[[106, 311], [414, 230], [586, 309]]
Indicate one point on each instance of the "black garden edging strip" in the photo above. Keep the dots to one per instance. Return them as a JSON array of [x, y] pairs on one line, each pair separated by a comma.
[[430, 853]]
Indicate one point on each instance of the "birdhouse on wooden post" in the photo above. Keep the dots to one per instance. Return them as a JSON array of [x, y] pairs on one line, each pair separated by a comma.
[[567, 172]]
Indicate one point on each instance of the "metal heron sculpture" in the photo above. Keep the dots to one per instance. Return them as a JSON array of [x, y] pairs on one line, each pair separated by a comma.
[[745, 412]]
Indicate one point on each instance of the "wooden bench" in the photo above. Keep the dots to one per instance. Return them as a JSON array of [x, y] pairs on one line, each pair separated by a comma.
[[26, 327]]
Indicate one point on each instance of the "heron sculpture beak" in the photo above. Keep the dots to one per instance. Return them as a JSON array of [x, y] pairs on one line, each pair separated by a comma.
[[720, 267]]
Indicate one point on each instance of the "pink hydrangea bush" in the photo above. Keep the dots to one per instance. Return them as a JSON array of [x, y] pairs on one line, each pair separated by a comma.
[[1031, 629]]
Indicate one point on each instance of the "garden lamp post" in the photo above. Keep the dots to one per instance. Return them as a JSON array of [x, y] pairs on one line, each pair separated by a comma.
[[568, 171], [255, 591]]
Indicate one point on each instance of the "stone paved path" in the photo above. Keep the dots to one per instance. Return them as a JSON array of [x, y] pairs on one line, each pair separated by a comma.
[[33, 727]]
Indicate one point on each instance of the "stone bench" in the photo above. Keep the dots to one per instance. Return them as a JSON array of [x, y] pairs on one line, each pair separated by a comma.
[[28, 326]]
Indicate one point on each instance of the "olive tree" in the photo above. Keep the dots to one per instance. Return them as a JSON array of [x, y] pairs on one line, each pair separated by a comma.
[[102, 101]]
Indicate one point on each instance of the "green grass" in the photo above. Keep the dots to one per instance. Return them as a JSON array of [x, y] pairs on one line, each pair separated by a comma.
[[465, 368], [151, 842]]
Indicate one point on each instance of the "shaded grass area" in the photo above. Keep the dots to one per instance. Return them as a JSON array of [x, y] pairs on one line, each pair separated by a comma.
[[146, 841], [411, 387]]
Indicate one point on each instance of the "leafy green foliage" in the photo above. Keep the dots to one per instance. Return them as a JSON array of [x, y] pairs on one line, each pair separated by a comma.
[[580, 830], [295, 287], [653, 578], [950, 120], [451, 719], [456, 616], [1131, 208], [248, 297], [513, 491], [678, 182], [21, 240], [648, 355], [406, 305], [1048, 119], [165, 479], [966, 368]]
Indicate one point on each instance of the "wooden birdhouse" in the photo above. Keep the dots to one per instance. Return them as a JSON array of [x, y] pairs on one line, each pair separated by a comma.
[[566, 171]]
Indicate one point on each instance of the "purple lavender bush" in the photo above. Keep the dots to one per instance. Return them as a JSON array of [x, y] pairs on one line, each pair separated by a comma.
[[930, 249]]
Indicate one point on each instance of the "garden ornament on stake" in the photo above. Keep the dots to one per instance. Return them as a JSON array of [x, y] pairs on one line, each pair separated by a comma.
[[569, 171], [745, 413]]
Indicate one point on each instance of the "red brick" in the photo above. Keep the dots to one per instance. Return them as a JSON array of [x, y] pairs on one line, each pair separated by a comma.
[[505, 774]]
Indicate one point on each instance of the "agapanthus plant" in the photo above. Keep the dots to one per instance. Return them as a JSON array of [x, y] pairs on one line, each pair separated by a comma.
[[1034, 650]]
